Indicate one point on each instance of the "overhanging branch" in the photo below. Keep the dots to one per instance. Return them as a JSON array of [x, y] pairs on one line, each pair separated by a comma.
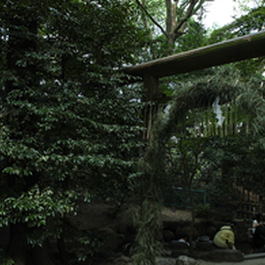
[[188, 14], [150, 17]]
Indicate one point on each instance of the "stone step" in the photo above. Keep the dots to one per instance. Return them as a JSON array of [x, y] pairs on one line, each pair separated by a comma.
[[254, 256]]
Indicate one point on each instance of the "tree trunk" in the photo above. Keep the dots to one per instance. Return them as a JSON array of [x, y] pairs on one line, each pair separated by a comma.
[[18, 247], [170, 43], [192, 219], [62, 250], [20, 251], [169, 25], [41, 255]]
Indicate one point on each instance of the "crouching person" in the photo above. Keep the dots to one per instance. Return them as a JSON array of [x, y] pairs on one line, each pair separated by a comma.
[[225, 237]]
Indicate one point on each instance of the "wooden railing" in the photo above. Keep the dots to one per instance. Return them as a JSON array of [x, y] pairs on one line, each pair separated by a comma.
[[250, 204]]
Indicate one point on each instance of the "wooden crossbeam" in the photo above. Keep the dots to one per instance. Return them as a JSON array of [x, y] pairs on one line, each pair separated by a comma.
[[237, 49]]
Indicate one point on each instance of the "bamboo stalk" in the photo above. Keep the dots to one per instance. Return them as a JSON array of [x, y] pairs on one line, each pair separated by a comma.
[[205, 127], [231, 119], [149, 127], [236, 120], [247, 124], [216, 127], [221, 127], [226, 120]]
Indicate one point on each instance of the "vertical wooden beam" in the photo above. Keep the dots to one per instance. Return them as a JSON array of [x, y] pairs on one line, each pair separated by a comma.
[[151, 86]]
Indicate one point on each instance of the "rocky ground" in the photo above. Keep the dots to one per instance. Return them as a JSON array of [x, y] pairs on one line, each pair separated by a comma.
[[96, 216], [258, 261], [166, 261]]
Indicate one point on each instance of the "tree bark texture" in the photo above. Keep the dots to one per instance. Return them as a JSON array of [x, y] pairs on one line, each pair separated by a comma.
[[18, 248], [41, 255], [176, 19]]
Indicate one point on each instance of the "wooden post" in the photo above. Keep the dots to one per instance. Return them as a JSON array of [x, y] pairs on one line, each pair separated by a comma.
[[151, 86], [244, 205], [248, 205]]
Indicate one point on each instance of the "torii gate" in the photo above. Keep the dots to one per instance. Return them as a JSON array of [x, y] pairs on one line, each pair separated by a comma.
[[237, 49]]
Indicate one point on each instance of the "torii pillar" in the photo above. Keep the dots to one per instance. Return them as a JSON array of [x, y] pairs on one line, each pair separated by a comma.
[[152, 93]]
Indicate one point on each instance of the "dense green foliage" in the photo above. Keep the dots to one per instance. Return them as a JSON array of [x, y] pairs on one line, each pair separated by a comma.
[[170, 23], [70, 129], [71, 122], [202, 150]]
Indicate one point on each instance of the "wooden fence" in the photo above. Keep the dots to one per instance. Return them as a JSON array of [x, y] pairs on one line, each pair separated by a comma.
[[250, 205]]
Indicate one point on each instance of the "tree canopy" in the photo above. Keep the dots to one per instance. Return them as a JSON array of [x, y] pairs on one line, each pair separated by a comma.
[[72, 121], [70, 129]]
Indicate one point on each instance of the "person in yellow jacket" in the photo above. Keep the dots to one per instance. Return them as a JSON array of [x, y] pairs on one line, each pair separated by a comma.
[[225, 238]]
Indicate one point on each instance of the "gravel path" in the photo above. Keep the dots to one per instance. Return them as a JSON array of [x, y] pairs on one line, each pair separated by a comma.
[[260, 261], [252, 261]]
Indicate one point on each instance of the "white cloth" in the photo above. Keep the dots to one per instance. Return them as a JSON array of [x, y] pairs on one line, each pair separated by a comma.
[[183, 241], [255, 223]]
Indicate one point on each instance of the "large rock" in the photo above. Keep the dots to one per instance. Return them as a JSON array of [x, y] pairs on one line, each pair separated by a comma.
[[226, 255], [184, 260], [168, 235], [125, 221], [178, 253], [205, 246], [165, 262], [111, 239], [176, 245], [123, 260], [94, 216]]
